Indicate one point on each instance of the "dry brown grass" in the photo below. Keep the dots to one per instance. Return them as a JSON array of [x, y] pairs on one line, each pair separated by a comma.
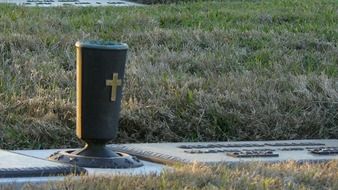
[[220, 70], [246, 176]]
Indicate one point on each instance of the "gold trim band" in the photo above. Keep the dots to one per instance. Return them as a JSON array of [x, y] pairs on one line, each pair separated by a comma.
[[78, 92]]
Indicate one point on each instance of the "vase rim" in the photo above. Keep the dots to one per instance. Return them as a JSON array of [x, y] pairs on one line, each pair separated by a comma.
[[100, 44]]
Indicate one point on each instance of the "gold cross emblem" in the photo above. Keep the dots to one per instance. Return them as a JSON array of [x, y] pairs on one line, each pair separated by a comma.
[[114, 83]]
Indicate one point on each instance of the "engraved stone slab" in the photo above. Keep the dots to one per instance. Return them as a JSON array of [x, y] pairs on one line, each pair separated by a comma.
[[234, 152], [18, 165]]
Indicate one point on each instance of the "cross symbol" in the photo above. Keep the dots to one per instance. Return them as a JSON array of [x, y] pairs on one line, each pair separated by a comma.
[[114, 83]]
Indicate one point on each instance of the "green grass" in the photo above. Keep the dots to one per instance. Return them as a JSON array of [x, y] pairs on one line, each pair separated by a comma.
[[246, 176], [205, 70], [200, 71], [149, 2]]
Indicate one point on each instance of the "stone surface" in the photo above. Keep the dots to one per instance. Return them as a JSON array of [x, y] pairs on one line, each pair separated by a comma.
[[37, 158], [53, 3], [18, 165], [148, 167], [234, 152], [204, 152]]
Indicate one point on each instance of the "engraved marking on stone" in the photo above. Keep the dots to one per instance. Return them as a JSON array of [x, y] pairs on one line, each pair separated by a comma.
[[311, 148], [324, 150], [295, 144], [206, 151], [82, 3], [219, 146], [43, 3], [291, 149], [114, 84], [248, 145], [259, 150], [251, 154], [115, 3]]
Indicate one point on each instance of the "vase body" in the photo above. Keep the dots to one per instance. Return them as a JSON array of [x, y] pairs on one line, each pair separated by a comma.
[[100, 71]]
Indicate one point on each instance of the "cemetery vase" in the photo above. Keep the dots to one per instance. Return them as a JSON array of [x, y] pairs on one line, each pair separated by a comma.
[[99, 79], [100, 72]]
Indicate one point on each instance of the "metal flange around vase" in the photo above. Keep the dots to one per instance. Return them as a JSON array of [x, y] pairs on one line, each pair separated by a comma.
[[91, 158]]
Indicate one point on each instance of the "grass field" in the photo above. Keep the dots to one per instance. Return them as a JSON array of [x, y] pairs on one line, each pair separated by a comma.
[[207, 70], [210, 70], [246, 177]]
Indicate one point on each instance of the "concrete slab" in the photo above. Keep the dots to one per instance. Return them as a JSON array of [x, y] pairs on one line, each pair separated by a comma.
[[148, 167], [82, 3], [230, 152], [37, 158], [18, 165], [20, 181]]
